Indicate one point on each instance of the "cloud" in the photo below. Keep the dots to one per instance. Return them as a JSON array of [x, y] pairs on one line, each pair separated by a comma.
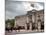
[[16, 8]]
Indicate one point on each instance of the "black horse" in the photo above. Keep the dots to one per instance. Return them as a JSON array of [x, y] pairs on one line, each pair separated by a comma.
[[19, 27]]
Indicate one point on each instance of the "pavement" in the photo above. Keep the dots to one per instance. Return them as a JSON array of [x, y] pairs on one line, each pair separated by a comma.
[[10, 32], [22, 31]]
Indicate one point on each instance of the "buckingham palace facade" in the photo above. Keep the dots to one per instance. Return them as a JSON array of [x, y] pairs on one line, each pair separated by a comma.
[[33, 21]]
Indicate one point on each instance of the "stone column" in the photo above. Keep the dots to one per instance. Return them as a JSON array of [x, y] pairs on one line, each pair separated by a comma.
[[34, 20], [30, 25], [26, 23], [39, 25], [25, 26], [33, 17]]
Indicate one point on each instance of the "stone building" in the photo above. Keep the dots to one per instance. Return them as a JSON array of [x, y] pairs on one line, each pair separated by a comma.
[[33, 20]]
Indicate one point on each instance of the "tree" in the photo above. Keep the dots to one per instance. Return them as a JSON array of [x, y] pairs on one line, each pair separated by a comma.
[[12, 22], [6, 22], [9, 21]]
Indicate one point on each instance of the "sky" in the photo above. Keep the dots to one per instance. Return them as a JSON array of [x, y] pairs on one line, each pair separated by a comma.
[[15, 8]]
